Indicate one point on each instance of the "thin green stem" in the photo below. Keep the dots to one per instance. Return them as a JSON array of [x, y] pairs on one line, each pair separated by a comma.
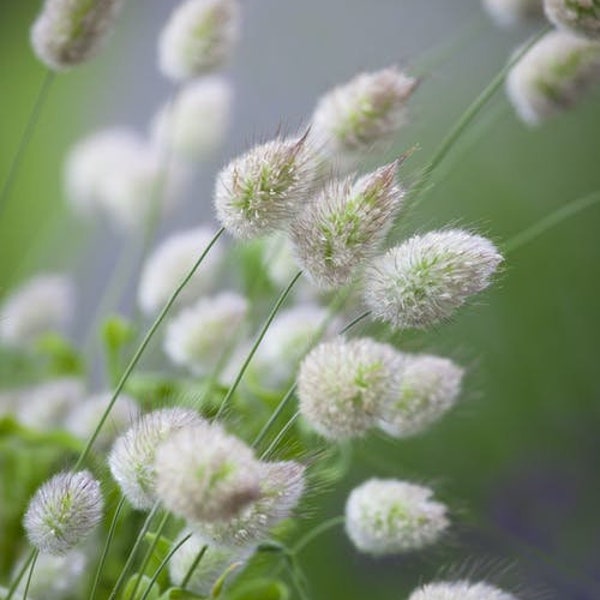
[[193, 567], [354, 322], [316, 532], [279, 436], [17, 580], [282, 297], [138, 354], [28, 583]]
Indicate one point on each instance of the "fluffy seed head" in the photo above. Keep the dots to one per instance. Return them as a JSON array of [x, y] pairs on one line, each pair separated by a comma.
[[460, 590], [428, 388], [387, 516], [199, 37], [262, 190], [507, 13], [63, 512], [581, 17], [281, 487], [69, 32], [204, 474], [168, 264], [195, 123], [553, 76], [345, 225], [423, 281], [198, 336], [42, 304], [342, 383], [131, 459]]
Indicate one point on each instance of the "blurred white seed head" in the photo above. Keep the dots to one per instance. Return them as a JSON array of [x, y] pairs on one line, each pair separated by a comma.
[[170, 262], [63, 512], [553, 76], [194, 124], [69, 32], [204, 474], [199, 37], [42, 304], [131, 459], [387, 516], [199, 336], [260, 191], [428, 387], [581, 17], [345, 225], [425, 279], [507, 13], [281, 487], [369, 109], [460, 590], [342, 383]]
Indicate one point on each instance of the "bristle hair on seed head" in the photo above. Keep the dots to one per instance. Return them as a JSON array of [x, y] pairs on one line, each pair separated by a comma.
[[460, 590], [580, 17]]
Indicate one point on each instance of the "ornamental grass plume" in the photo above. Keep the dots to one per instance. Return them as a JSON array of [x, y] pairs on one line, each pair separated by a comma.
[[387, 516], [553, 76], [69, 32], [425, 279], [342, 384], [63, 512], [460, 590], [199, 37], [345, 225], [580, 17], [507, 13]]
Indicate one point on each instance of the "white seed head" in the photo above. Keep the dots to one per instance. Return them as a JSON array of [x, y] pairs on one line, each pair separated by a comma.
[[204, 474], [262, 190], [281, 487], [42, 304], [170, 262], [369, 109], [460, 590], [553, 76], [63, 512], [194, 124], [214, 562], [581, 17], [387, 516], [69, 32], [199, 336], [342, 383], [507, 13], [428, 387], [425, 279], [345, 225], [199, 37], [131, 459]]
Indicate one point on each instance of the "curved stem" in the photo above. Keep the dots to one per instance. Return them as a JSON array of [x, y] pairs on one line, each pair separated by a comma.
[[193, 567], [279, 436], [17, 580], [28, 583], [316, 532]]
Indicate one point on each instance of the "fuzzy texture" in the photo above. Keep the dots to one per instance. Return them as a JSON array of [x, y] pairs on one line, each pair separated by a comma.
[[281, 487], [63, 512], [194, 124], [507, 13], [204, 474], [260, 191], [345, 225], [69, 32], [170, 262], [581, 17], [131, 459], [353, 118], [387, 516], [425, 279], [553, 76], [428, 387], [460, 590], [200, 36], [342, 384], [42, 304], [199, 336]]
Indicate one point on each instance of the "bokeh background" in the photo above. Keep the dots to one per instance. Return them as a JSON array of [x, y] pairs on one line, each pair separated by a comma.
[[519, 457]]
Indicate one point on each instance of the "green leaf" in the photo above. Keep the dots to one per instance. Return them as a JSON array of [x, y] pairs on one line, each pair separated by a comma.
[[154, 593], [261, 589], [63, 358], [179, 594], [161, 550], [117, 332]]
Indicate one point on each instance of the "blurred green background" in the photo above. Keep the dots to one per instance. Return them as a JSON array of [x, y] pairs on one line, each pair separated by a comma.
[[518, 459]]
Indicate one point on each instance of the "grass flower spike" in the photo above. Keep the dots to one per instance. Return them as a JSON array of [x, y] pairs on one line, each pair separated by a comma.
[[460, 590], [63, 512], [581, 17], [69, 32], [386, 516], [198, 38], [509, 12], [425, 279]]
